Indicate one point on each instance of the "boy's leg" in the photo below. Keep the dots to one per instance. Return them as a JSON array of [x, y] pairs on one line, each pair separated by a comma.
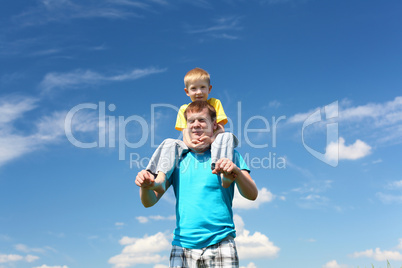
[[166, 157], [223, 147]]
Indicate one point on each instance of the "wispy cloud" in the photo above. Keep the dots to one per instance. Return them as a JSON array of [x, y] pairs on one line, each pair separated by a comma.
[[221, 24], [311, 194], [382, 113], [379, 123], [26, 249], [218, 28], [63, 10], [392, 194], [47, 129], [84, 78]]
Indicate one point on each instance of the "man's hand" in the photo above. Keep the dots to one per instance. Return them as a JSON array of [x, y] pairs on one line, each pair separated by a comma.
[[229, 170], [145, 179]]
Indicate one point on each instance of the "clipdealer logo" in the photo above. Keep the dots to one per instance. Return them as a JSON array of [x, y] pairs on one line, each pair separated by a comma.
[[112, 132]]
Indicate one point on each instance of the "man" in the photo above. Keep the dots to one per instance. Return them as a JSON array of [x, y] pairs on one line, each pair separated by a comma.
[[204, 234]]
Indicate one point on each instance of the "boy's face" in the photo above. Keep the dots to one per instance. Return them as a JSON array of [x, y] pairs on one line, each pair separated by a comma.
[[198, 90]]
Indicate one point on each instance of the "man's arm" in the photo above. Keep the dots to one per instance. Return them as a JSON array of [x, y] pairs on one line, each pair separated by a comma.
[[151, 190], [230, 171]]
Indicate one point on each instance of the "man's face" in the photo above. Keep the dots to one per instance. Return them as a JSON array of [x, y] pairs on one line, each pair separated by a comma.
[[200, 124]]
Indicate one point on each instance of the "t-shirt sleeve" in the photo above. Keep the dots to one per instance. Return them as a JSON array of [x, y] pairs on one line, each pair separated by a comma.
[[221, 117], [181, 122], [239, 161]]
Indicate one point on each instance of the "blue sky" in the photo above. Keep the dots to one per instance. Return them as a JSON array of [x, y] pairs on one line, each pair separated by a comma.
[[88, 88]]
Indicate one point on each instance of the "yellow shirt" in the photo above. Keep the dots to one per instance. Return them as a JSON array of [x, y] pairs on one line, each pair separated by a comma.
[[221, 117]]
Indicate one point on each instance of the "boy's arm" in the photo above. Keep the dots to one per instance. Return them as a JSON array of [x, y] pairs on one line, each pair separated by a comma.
[[151, 190], [245, 183]]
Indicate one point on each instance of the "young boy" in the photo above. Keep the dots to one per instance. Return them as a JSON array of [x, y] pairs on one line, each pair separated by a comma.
[[167, 155]]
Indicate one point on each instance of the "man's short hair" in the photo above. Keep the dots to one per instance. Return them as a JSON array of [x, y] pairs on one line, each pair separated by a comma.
[[198, 106], [195, 75]]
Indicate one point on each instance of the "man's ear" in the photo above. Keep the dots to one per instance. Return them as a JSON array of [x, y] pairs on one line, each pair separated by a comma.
[[215, 126], [186, 90]]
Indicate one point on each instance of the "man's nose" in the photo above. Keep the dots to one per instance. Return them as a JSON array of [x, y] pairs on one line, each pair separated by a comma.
[[196, 124]]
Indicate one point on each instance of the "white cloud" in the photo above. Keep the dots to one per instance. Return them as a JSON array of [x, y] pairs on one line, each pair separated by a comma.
[[14, 258], [82, 78], [141, 250], [357, 150], [256, 245], [250, 265], [161, 266], [264, 196], [400, 244], [10, 258], [143, 219], [379, 255], [334, 264], [31, 258], [47, 266]]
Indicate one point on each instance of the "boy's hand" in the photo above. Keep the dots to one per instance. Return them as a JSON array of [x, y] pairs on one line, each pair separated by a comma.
[[227, 168], [204, 139], [145, 179], [200, 144]]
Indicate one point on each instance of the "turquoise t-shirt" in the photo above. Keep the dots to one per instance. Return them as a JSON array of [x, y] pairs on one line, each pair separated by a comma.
[[203, 207]]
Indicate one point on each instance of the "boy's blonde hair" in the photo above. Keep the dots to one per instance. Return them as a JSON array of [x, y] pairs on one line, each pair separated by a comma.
[[196, 74]]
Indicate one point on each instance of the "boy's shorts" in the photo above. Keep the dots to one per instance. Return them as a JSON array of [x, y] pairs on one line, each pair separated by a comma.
[[222, 255]]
